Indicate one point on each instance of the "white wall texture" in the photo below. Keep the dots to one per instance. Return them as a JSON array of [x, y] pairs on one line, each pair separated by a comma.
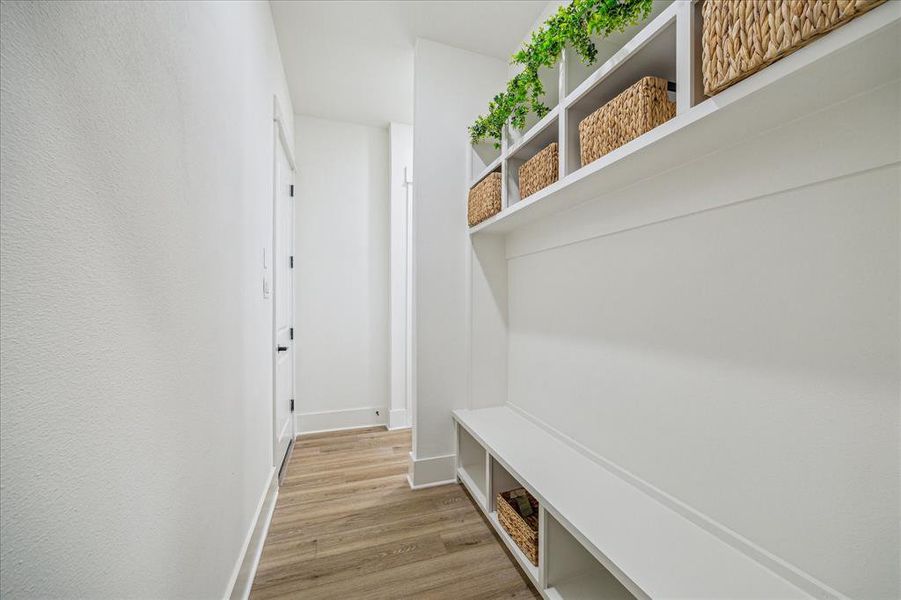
[[743, 359], [341, 269], [548, 11], [400, 172], [135, 341], [449, 92]]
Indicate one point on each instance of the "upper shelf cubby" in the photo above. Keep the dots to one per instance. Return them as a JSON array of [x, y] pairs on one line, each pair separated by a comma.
[[536, 139], [483, 159], [651, 53], [577, 71]]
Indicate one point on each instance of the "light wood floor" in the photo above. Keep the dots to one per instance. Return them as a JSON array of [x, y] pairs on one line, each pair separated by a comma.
[[347, 525]]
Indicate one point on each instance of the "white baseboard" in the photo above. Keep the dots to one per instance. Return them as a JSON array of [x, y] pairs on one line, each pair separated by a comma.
[[336, 420], [428, 485], [246, 567], [397, 419], [428, 472]]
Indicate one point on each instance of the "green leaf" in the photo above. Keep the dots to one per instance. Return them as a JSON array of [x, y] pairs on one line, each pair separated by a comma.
[[572, 25]]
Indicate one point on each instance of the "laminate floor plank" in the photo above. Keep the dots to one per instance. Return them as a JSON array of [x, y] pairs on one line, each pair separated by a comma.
[[347, 525]]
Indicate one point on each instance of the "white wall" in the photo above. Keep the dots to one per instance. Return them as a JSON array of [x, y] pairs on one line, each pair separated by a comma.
[[743, 359], [451, 88], [400, 177], [548, 11], [136, 343], [341, 271]]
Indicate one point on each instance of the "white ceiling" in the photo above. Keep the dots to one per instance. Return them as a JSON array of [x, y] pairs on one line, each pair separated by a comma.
[[353, 61]]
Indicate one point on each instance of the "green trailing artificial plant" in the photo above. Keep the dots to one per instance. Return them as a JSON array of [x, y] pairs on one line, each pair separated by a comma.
[[574, 24]]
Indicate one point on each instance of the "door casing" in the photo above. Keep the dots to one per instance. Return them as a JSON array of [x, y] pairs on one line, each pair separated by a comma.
[[280, 140]]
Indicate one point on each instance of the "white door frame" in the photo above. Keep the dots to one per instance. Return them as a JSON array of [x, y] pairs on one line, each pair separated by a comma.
[[280, 136]]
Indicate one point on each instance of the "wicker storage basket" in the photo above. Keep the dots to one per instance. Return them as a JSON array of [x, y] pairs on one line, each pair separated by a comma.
[[742, 37], [539, 171], [485, 199], [523, 530], [639, 109]]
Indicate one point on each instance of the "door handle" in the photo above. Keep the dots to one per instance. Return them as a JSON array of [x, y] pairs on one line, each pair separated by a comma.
[[282, 348]]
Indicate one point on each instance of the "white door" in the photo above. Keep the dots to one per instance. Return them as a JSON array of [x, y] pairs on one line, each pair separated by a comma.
[[283, 288]]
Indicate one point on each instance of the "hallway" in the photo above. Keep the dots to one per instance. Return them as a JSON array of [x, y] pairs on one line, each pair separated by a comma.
[[347, 523], [443, 299]]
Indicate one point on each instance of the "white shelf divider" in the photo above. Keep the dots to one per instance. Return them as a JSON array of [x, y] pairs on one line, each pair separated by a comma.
[[472, 466]]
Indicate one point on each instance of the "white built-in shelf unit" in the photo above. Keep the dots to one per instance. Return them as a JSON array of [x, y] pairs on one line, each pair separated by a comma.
[[820, 74], [604, 533], [599, 536]]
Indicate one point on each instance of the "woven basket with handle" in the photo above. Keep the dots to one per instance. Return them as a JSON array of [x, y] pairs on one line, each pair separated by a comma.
[[485, 199], [742, 37], [539, 171], [523, 530], [639, 109]]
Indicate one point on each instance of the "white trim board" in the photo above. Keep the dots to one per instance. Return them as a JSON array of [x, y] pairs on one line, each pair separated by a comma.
[[278, 117], [397, 419], [428, 472], [337, 420], [428, 485], [249, 559]]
